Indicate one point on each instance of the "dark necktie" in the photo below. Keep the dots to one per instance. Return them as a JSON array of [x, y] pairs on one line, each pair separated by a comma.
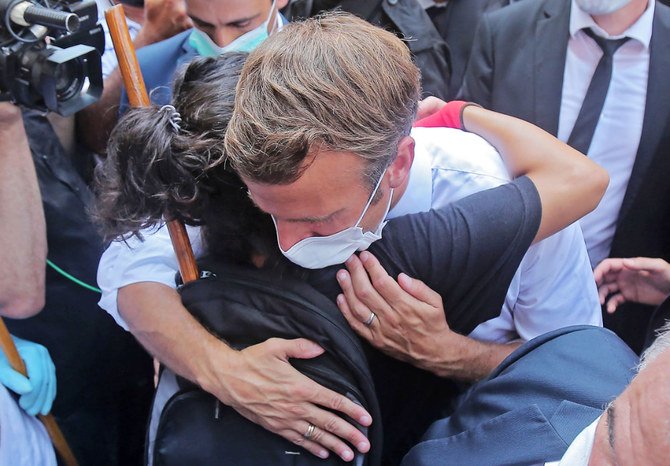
[[585, 126]]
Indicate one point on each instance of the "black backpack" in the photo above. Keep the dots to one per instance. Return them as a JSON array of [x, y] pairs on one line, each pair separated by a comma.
[[246, 306]]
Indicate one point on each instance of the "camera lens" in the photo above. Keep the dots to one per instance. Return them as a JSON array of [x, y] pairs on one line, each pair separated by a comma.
[[68, 79]]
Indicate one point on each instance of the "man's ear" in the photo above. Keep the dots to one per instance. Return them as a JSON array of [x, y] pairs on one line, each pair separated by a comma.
[[281, 4], [398, 171]]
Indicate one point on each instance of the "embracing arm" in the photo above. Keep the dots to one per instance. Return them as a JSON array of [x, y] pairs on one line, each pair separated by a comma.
[[22, 225], [570, 185], [258, 382]]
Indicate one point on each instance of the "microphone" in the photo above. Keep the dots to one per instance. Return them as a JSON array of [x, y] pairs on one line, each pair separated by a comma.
[[25, 13]]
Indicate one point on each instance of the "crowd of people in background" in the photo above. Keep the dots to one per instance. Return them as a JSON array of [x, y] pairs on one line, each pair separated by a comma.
[[476, 187]]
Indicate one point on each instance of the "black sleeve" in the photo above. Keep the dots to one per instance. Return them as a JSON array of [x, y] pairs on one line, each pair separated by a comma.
[[468, 252]]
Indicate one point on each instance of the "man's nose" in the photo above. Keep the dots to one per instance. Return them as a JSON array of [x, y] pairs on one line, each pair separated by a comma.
[[289, 234], [224, 36]]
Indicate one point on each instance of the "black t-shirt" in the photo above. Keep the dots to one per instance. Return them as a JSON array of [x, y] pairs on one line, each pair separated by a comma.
[[468, 252]]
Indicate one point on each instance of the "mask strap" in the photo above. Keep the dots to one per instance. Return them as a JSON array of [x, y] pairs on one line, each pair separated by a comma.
[[374, 191], [273, 26]]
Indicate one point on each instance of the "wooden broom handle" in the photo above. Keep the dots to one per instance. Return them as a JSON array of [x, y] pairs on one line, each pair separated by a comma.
[[138, 97], [57, 438]]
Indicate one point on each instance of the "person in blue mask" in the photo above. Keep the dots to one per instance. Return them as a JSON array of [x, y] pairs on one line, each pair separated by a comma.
[[218, 26]]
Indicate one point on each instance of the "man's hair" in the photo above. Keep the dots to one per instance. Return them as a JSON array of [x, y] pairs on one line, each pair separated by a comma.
[[333, 82], [659, 346]]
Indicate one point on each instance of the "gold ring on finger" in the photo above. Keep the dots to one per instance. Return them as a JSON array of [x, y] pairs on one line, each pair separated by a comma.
[[310, 431]]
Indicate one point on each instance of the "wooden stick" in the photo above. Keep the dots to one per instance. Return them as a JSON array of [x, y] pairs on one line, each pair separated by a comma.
[[138, 97], [57, 438]]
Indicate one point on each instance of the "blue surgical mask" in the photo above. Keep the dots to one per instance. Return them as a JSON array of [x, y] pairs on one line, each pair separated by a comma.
[[317, 252], [247, 42]]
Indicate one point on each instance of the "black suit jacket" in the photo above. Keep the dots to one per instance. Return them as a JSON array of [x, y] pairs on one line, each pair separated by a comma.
[[407, 19], [516, 67], [457, 23]]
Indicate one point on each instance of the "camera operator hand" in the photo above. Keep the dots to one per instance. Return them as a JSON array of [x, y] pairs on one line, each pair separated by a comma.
[[22, 227]]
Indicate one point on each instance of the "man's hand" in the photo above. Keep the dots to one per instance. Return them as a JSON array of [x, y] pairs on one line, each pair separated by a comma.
[[409, 322], [640, 279], [260, 384], [162, 20], [38, 390]]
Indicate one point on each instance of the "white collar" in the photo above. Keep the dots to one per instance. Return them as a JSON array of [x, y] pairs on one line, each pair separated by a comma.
[[640, 30], [418, 197], [579, 451]]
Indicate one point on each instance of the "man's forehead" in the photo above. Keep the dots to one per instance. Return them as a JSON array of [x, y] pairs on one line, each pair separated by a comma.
[[330, 183], [227, 11]]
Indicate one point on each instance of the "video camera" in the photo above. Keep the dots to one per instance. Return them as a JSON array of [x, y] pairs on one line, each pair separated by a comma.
[[50, 54]]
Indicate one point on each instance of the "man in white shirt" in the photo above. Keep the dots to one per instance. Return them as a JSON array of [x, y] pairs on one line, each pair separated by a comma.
[[139, 304], [536, 60]]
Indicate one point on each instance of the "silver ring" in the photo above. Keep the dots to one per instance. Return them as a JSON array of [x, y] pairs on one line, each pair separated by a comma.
[[310, 431], [370, 319]]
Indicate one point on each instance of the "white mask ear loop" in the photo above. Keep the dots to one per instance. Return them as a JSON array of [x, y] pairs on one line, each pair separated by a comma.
[[273, 26], [372, 196]]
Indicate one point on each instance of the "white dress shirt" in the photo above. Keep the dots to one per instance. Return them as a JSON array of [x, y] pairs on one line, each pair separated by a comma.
[[553, 286], [23, 439], [135, 261], [617, 135]]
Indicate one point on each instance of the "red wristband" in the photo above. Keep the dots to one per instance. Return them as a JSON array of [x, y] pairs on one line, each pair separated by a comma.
[[449, 116]]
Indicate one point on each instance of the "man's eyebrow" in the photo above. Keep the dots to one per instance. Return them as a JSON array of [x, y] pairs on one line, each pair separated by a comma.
[[199, 21], [234, 22], [242, 20], [310, 219], [610, 424]]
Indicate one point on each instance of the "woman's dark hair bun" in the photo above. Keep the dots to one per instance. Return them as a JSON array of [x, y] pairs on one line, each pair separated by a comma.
[[164, 162]]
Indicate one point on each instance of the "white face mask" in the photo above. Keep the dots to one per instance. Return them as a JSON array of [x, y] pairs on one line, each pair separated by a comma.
[[317, 252], [601, 7], [247, 42]]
